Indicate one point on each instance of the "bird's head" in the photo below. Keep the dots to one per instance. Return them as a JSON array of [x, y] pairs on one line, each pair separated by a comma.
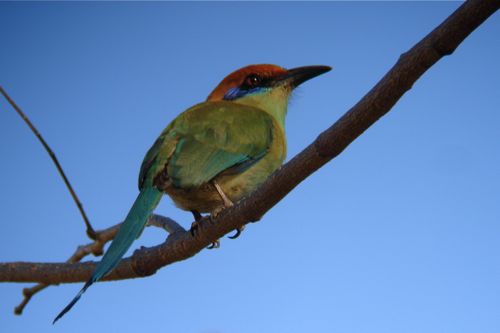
[[264, 86]]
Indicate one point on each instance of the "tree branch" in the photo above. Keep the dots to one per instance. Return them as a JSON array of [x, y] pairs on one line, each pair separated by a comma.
[[411, 65]]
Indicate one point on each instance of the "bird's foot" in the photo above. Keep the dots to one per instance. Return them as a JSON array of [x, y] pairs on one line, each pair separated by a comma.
[[238, 232], [214, 214], [194, 230]]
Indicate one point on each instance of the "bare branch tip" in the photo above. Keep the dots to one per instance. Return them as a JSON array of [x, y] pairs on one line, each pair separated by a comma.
[[90, 231], [28, 293]]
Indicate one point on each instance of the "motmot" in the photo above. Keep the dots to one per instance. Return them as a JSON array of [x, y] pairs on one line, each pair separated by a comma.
[[213, 154]]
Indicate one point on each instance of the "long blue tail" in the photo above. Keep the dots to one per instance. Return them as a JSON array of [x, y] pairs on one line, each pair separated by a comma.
[[136, 219]]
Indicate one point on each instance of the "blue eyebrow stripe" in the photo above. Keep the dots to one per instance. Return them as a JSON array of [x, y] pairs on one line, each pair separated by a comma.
[[236, 92]]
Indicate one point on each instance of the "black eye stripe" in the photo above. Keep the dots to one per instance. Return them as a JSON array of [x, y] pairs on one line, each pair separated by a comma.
[[252, 81]]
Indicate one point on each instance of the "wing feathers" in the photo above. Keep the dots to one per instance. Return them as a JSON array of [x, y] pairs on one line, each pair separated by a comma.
[[207, 140]]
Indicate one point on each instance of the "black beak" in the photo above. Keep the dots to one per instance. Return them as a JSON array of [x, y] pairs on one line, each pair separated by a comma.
[[299, 75]]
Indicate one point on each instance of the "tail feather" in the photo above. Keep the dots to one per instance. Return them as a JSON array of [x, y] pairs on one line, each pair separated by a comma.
[[73, 301], [134, 223]]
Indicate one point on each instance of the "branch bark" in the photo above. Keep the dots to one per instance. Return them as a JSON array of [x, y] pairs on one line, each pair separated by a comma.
[[411, 65]]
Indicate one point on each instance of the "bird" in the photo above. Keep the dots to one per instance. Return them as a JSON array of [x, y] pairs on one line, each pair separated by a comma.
[[213, 154]]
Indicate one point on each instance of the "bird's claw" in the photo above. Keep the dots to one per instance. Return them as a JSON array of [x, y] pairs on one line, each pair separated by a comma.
[[238, 232], [214, 245]]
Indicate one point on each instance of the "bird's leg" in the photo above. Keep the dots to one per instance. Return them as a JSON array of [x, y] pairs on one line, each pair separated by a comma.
[[194, 226], [225, 199], [227, 203]]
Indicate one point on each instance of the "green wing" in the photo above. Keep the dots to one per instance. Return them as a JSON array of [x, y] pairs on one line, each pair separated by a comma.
[[206, 140], [153, 156]]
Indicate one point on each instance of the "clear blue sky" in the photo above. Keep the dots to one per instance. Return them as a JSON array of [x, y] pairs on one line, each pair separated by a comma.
[[398, 234]]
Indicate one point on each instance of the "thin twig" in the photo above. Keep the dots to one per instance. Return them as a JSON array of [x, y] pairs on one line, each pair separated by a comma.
[[28, 293], [90, 231], [165, 223], [97, 248]]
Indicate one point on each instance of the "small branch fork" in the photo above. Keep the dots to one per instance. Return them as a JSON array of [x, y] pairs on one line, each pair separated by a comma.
[[96, 248], [90, 231], [376, 103]]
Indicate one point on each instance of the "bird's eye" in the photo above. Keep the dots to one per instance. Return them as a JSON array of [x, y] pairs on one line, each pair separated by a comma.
[[252, 81]]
